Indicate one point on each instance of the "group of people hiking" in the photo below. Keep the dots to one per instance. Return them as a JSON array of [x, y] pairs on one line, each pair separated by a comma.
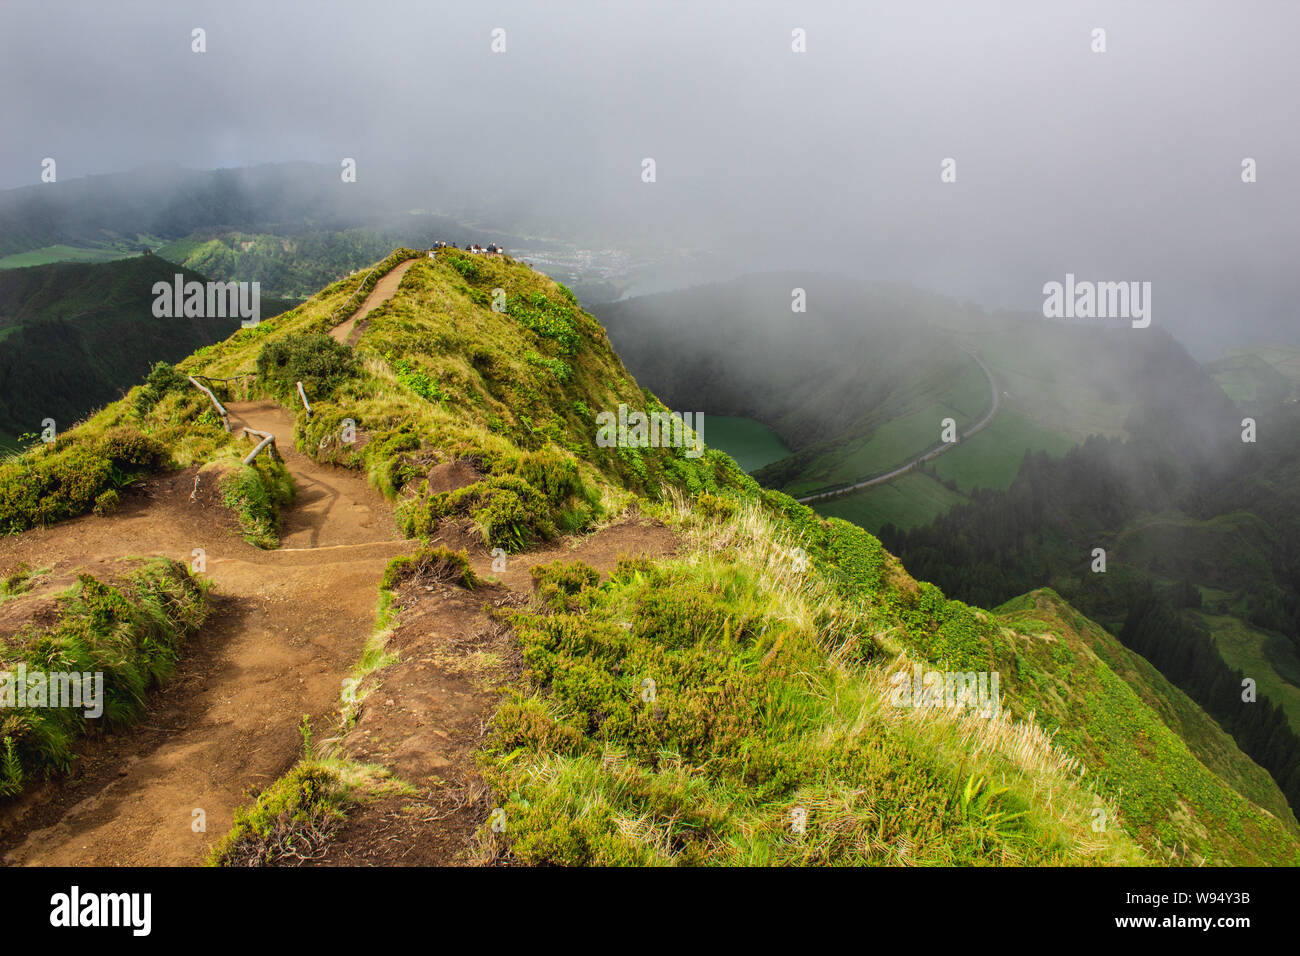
[[491, 248]]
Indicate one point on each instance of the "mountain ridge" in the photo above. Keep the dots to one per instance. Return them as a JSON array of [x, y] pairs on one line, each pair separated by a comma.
[[769, 634]]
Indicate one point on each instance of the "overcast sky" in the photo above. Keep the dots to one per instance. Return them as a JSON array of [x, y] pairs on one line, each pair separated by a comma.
[[1123, 165]]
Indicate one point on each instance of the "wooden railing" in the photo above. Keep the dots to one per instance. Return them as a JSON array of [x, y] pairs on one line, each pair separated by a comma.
[[267, 442], [221, 409]]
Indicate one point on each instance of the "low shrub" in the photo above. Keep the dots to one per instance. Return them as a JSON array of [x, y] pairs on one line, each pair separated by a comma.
[[559, 582], [161, 380], [129, 632], [315, 359], [257, 493], [294, 817], [430, 564]]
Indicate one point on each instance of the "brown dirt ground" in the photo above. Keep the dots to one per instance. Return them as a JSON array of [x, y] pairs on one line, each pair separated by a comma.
[[430, 711], [286, 628], [348, 331]]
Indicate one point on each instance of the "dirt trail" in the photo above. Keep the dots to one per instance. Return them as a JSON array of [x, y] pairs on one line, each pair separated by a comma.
[[286, 628], [431, 709], [381, 293]]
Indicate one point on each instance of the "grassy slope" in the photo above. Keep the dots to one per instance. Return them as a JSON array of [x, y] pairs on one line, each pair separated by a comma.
[[1260, 376], [991, 458], [906, 502], [772, 696], [1270, 659], [1049, 406], [1227, 552], [292, 267], [914, 428], [772, 678], [1049, 371], [441, 374], [1164, 756], [78, 335], [130, 629], [63, 253]]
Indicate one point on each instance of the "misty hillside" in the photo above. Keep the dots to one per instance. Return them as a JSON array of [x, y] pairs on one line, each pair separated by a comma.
[[637, 653], [859, 383], [1200, 568], [293, 227], [1101, 437], [169, 202]]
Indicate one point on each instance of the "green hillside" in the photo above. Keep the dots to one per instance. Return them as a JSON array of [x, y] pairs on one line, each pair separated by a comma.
[[74, 336], [1266, 656], [1198, 530], [772, 635], [1259, 378], [1113, 710], [860, 384], [916, 498], [294, 264], [63, 253]]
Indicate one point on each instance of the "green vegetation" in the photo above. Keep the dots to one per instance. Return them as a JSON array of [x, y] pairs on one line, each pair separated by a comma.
[[63, 253], [291, 267], [906, 501], [991, 458], [1195, 524], [1065, 669], [559, 583], [76, 336], [734, 704], [1258, 378], [430, 564], [691, 711], [316, 360], [1268, 658], [293, 818], [438, 375], [688, 712], [131, 631], [912, 429], [72, 474], [257, 493], [19, 580], [1069, 381]]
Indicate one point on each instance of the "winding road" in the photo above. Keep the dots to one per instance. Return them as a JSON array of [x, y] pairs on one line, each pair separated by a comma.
[[934, 452]]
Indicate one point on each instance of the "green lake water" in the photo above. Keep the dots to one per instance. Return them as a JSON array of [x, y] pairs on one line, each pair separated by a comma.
[[751, 443]]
